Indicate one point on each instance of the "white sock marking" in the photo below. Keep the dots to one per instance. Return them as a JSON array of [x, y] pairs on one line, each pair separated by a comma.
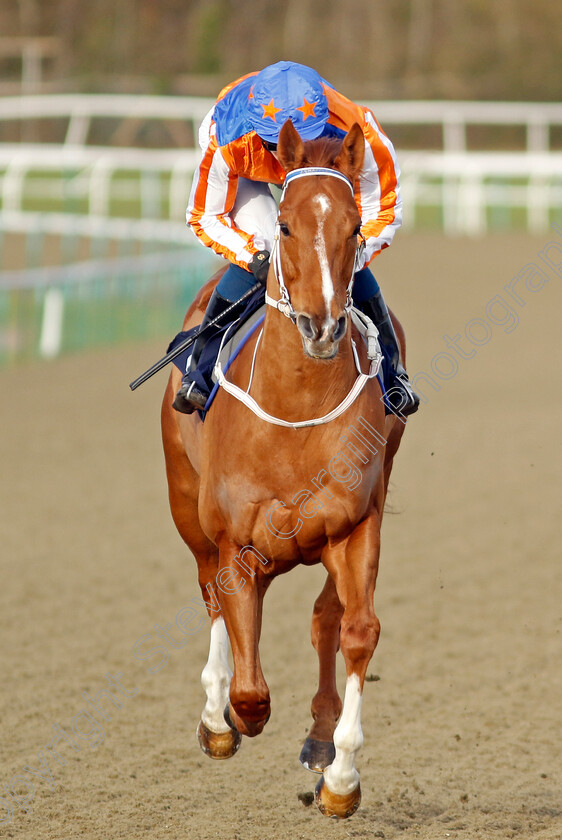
[[341, 777], [215, 679]]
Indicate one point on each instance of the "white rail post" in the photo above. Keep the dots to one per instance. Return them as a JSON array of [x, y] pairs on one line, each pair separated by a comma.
[[77, 131], [100, 184], [538, 134], [51, 327], [537, 204], [450, 203], [454, 133], [471, 196]]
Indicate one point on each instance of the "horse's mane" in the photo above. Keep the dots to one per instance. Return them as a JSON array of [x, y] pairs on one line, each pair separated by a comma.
[[322, 152]]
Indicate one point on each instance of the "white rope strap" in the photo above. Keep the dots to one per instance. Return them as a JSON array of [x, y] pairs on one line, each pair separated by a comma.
[[368, 330], [250, 403]]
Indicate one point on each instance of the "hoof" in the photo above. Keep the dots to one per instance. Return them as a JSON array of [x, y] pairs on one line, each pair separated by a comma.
[[317, 755], [227, 717], [334, 805], [218, 745], [244, 726]]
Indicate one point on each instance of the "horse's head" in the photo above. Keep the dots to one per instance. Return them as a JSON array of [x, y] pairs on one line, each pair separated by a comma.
[[318, 229]]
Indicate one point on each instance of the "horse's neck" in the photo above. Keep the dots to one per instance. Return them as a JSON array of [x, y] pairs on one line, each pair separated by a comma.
[[289, 383]]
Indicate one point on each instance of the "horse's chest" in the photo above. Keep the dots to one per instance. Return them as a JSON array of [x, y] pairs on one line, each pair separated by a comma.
[[287, 506]]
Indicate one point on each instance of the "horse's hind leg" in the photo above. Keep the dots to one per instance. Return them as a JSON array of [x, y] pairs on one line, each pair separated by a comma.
[[318, 750]]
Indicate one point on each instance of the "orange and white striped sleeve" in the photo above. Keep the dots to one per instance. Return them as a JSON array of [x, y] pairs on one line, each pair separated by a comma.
[[212, 197], [378, 196]]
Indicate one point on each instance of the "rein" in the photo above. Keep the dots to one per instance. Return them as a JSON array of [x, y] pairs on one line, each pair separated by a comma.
[[362, 322]]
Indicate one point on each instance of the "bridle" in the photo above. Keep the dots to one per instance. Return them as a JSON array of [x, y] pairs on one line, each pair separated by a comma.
[[364, 325], [283, 304]]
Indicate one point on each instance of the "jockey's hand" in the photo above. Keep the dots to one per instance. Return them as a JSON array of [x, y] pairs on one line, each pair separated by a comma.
[[259, 266]]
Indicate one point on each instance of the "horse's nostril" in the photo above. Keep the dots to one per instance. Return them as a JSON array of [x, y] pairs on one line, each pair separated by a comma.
[[339, 331], [306, 327]]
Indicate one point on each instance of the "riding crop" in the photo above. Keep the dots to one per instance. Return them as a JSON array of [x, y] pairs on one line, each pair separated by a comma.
[[187, 342]]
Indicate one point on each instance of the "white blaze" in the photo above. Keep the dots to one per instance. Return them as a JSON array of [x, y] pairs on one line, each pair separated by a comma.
[[322, 208]]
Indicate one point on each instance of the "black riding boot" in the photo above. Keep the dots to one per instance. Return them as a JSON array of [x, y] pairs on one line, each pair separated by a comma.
[[400, 393], [189, 397]]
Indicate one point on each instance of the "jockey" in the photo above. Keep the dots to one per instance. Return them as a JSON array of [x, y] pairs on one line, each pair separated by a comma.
[[232, 210]]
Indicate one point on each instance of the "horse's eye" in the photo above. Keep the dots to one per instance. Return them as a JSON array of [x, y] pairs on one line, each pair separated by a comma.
[[284, 229], [357, 230]]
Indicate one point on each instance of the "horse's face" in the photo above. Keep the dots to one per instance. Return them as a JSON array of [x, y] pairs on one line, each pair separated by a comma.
[[318, 227]]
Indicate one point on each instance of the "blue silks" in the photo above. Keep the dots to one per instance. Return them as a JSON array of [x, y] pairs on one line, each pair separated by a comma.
[[232, 116], [231, 113], [235, 282], [364, 286]]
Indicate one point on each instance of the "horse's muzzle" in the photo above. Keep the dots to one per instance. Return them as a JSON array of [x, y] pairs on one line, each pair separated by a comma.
[[321, 340]]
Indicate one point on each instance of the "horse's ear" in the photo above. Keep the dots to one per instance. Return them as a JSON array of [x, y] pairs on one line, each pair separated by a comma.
[[350, 159], [290, 147]]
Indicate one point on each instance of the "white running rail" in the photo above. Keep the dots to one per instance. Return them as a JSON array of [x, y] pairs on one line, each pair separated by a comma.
[[453, 117], [461, 187]]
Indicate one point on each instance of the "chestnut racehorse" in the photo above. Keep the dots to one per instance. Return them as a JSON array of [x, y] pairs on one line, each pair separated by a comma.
[[236, 481]]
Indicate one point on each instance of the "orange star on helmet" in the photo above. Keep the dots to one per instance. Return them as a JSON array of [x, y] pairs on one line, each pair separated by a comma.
[[307, 109], [270, 110]]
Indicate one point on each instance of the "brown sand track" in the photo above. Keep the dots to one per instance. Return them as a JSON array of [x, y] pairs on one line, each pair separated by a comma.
[[462, 730]]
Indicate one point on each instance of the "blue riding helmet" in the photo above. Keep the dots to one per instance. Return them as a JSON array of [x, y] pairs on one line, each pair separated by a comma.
[[287, 91]]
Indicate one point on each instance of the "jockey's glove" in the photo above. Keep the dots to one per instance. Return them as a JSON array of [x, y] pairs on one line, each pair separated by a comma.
[[259, 266]]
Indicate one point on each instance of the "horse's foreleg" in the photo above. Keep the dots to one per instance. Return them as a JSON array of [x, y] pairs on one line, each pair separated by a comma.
[[216, 738], [249, 707], [216, 677], [353, 565], [318, 749]]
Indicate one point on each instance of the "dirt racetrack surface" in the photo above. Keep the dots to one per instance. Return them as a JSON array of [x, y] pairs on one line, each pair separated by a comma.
[[462, 719]]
